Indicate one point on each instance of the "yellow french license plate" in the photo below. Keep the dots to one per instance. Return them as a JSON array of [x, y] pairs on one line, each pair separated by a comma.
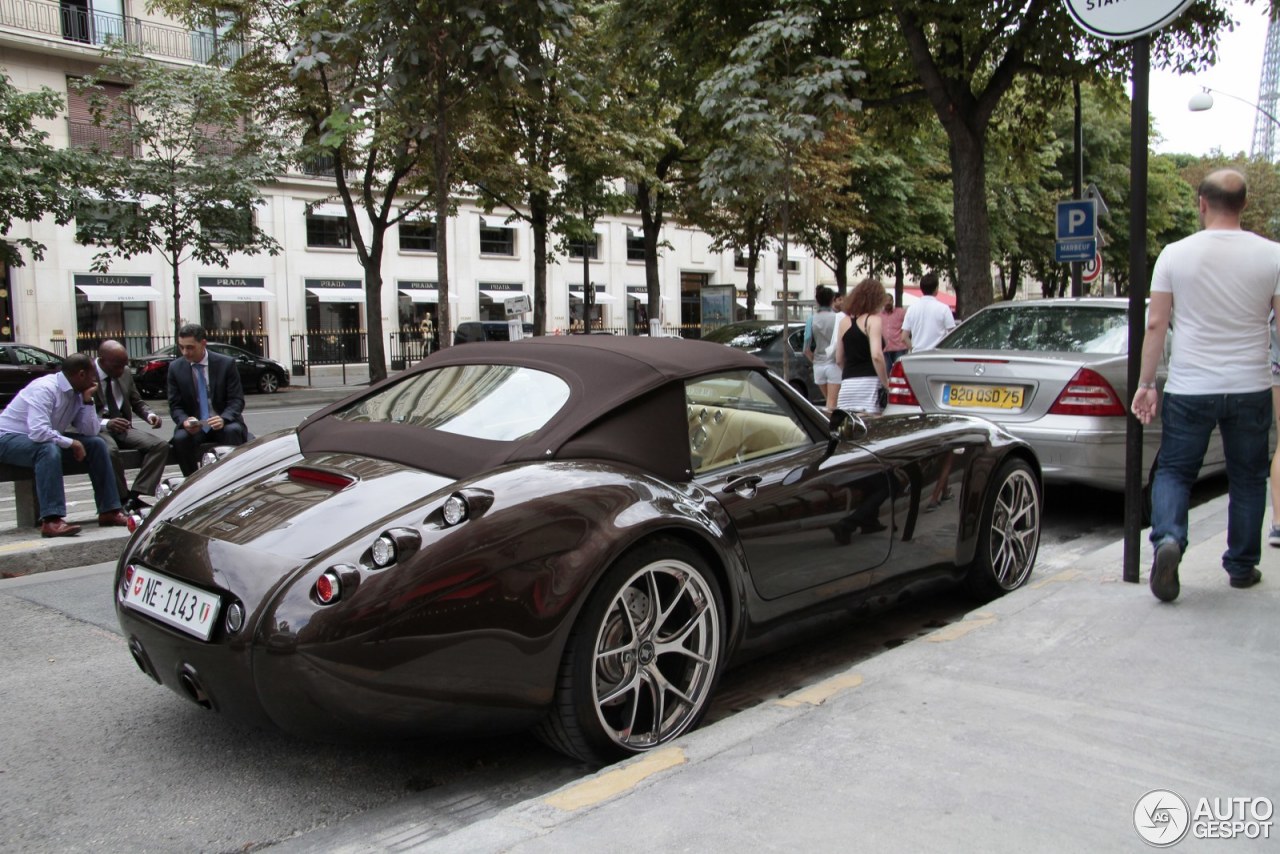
[[982, 396]]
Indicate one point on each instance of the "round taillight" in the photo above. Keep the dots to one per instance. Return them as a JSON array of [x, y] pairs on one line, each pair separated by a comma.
[[328, 587], [383, 552], [235, 617], [127, 579], [454, 510]]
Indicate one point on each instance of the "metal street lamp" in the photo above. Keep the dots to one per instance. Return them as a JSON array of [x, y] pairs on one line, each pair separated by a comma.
[[1203, 100]]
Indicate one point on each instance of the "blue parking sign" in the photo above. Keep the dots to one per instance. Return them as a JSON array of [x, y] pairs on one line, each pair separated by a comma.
[[1077, 220]]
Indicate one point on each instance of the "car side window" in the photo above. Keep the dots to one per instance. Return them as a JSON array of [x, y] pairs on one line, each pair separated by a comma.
[[738, 416]]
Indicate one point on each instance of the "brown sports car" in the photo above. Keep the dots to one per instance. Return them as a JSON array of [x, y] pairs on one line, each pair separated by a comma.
[[571, 534]]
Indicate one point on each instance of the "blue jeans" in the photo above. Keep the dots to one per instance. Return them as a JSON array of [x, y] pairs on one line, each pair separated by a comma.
[[45, 458], [1244, 420]]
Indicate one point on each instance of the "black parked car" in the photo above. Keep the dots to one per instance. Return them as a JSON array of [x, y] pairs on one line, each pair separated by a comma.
[[763, 339], [22, 363], [151, 372], [486, 330]]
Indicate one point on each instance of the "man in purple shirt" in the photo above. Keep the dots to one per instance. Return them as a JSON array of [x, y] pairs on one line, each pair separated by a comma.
[[33, 434]]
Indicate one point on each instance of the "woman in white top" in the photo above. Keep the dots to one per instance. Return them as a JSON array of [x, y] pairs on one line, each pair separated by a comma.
[[818, 340]]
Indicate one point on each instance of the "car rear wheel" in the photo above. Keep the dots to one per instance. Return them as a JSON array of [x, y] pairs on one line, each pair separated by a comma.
[[1010, 533], [268, 383], [643, 659]]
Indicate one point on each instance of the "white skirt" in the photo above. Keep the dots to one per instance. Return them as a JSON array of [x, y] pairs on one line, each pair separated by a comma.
[[858, 394]]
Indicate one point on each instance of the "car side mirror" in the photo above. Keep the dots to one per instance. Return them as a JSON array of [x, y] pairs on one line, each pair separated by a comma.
[[843, 427]]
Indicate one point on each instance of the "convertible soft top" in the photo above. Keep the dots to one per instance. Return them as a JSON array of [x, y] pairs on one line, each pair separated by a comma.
[[626, 404]]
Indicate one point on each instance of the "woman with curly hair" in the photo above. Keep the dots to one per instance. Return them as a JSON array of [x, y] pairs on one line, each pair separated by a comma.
[[860, 350]]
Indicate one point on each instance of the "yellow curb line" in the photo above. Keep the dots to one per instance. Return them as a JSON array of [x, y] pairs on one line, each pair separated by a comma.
[[24, 546], [959, 630], [611, 783], [1060, 578], [816, 695]]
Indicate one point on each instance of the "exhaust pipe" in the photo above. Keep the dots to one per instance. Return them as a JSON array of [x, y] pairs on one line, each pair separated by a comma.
[[190, 683], [140, 659]]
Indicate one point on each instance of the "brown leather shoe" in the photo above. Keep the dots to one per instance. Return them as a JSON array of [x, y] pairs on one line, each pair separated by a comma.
[[113, 518], [58, 528]]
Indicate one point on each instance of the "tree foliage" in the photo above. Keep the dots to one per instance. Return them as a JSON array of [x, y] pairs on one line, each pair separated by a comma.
[[34, 176], [181, 162]]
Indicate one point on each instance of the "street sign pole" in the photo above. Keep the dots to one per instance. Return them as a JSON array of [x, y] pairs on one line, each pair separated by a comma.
[[1077, 184], [1133, 473]]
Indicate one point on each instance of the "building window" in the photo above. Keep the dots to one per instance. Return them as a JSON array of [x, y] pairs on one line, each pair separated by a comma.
[[84, 132], [497, 240], [211, 42], [740, 261], [635, 244], [792, 265], [95, 220], [590, 249], [418, 235], [229, 225], [328, 231]]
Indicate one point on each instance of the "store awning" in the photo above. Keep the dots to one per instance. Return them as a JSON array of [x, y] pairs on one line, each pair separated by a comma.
[[500, 296], [600, 298], [495, 221], [118, 293], [337, 294], [741, 303], [238, 294], [425, 295]]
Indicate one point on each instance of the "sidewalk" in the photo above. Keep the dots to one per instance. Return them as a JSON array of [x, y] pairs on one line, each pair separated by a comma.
[[1035, 724]]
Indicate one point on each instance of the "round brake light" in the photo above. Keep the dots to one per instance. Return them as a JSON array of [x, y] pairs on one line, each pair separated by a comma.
[[328, 587]]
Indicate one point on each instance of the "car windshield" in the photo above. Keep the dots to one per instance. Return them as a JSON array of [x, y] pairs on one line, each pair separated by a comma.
[[498, 402], [744, 337], [1043, 328]]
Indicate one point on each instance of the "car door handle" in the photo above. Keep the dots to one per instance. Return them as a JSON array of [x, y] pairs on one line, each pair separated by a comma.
[[743, 486]]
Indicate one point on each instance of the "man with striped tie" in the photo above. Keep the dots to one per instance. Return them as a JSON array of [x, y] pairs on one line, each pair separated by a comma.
[[206, 399]]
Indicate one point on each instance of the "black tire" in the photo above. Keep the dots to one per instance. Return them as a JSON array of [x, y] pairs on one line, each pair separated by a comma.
[[1009, 536], [268, 382], [606, 707]]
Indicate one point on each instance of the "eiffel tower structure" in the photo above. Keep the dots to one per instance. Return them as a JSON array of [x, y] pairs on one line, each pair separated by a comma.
[[1264, 127]]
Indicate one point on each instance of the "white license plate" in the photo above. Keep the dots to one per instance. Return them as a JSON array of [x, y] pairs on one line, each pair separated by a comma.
[[180, 605]]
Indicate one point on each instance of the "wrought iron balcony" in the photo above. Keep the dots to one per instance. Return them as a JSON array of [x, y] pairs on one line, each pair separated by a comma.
[[74, 22]]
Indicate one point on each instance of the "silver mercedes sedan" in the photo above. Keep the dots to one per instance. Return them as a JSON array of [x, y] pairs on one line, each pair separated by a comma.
[[1052, 372]]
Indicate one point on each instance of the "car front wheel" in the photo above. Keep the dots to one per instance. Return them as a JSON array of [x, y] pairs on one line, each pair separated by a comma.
[[1010, 533], [268, 383], [643, 659]]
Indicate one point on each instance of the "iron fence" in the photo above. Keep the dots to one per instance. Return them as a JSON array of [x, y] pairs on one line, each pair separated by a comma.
[[139, 344], [408, 346]]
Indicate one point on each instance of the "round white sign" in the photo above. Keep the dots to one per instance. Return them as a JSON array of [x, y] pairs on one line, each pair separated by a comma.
[[1124, 19]]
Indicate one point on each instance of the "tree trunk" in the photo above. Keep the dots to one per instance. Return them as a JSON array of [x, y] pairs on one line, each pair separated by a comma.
[[973, 233], [177, 291], [373, 305], [899, 277], [538, 204], [443, 162], [753, 259], [651, 224]]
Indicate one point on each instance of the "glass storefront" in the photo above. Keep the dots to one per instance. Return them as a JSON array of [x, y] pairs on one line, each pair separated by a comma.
[[493, 296], [335, 330], [232, 311], [116, 307]]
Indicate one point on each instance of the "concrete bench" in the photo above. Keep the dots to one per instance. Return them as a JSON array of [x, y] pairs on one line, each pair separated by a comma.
[[27, 504]]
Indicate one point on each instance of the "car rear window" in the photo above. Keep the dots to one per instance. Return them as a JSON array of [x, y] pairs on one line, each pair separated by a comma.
[[499, 402], [1048, 329]]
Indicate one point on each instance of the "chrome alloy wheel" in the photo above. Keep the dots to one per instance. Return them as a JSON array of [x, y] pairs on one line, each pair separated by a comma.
[[656, 655], [1015, 529]]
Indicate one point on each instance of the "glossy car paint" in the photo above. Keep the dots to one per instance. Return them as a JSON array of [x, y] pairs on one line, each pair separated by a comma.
[[466, 633], [251, 367], [22, 363]]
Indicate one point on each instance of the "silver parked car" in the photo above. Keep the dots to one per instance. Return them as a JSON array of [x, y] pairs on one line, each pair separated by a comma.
[[1052, 372]]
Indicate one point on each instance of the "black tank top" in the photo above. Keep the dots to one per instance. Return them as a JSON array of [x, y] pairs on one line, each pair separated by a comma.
[[857, 353]]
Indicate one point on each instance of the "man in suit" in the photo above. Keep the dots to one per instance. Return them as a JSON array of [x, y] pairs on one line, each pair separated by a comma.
[[206, 400], [118, 403]]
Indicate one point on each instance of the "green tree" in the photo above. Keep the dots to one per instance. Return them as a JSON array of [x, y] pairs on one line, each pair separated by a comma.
[[779, 92], [35, 177], [964, 56], [182, 161]]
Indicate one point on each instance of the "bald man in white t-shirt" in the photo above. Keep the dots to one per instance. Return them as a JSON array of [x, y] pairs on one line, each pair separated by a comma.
[[1216, 289]]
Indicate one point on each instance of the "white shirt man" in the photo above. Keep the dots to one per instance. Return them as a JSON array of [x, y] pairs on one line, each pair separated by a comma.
[[929, 320]]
